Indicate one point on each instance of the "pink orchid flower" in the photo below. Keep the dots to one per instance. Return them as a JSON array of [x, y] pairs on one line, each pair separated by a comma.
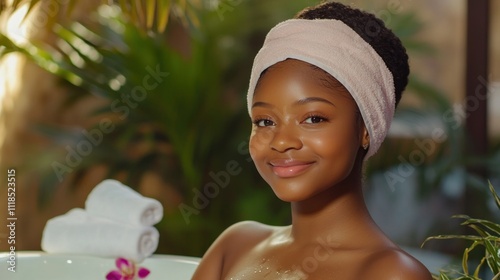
[[127, 271]]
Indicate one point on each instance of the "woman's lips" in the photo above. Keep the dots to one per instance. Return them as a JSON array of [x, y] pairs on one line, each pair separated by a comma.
[[289, 168]]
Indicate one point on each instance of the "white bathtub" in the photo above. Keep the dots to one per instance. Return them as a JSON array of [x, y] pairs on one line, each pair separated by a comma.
[[42, 266]]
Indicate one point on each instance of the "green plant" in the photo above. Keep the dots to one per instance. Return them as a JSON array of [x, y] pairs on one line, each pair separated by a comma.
[[485, 240], [174, 127], [174, 106], [146, 14]]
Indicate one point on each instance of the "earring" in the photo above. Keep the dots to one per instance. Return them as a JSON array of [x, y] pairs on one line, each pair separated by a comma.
[[365, 146]]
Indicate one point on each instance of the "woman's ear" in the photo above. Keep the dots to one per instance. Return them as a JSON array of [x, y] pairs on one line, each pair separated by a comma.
[[365, 138]]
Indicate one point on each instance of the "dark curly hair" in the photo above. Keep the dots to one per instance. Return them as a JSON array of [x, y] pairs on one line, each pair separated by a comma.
[[374, 32]]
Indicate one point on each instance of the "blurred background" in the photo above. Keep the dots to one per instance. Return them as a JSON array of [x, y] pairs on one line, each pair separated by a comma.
[[152, 93]]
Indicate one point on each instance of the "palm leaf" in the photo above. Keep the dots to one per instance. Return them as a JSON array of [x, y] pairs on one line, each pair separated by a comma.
[[106, 63], [488, 236], [163, 14], [141, 13], [494, 193], [494, 227]]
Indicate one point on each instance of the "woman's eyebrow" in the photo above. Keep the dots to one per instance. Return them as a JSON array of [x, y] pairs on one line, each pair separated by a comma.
[[313, 99], [298, 102], [261, 104]]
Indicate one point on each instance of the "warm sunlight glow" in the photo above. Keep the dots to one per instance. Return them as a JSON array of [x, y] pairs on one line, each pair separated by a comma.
[[10, 64], [16, 29], [10, 67]]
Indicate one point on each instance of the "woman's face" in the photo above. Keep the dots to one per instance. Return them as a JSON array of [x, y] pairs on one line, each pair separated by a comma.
[[306, 133]]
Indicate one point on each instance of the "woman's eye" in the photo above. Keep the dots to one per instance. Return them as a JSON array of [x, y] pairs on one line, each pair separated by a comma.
[[264, 122], [314, 119]]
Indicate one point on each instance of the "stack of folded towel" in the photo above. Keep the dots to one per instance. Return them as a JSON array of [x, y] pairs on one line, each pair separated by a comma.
[[116, 222]]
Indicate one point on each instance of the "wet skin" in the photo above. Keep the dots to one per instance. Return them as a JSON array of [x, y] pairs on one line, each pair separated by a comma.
[[306, 143]]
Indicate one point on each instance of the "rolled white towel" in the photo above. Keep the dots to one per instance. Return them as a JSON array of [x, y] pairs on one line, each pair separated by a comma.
[[77, 232], [113, 200]]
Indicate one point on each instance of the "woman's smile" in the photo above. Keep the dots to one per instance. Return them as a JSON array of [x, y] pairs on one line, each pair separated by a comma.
[[286, 168]]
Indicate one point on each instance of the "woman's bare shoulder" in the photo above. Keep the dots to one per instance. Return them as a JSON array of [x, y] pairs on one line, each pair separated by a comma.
[[394, 263], [235, 240], [247, 230]]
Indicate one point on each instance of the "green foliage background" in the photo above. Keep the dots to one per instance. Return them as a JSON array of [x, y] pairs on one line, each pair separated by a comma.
[[194, 122]]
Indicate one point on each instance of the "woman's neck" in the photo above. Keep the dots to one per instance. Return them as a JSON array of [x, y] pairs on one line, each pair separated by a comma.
[[337, 214]]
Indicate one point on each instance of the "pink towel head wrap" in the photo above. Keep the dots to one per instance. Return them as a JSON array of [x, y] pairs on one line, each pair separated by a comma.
[[340, 51]]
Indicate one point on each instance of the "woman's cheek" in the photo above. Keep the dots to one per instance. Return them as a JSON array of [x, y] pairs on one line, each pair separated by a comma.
[[320, 143], [254, 146], [260, 138]]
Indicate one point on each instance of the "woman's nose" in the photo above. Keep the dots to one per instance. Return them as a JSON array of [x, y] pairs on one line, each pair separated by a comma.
[[285, 138]]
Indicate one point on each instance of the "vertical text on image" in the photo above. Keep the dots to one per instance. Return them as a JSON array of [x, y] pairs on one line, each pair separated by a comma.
[[11, 218]]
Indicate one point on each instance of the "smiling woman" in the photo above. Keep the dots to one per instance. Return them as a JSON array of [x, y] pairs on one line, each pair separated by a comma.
[[322, 94], [309, 130]]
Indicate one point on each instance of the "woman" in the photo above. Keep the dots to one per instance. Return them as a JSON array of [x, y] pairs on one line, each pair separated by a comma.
[[322, 94]]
